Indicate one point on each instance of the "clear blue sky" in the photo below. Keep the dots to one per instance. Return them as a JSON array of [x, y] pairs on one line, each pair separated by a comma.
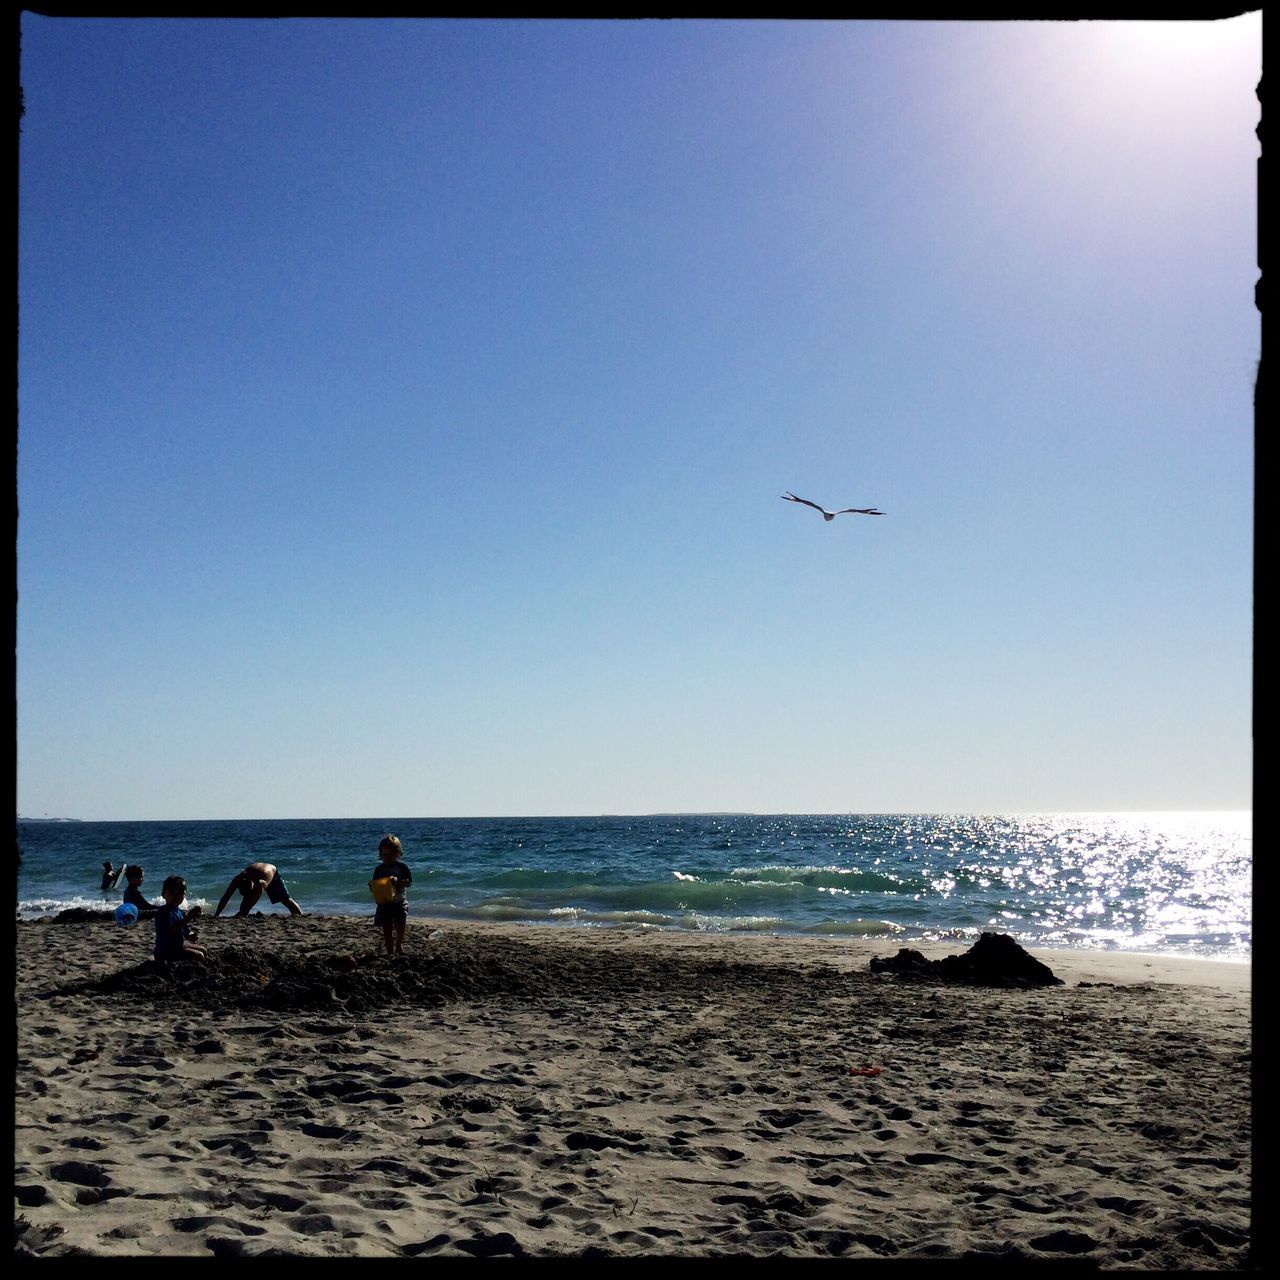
[[404, 408]]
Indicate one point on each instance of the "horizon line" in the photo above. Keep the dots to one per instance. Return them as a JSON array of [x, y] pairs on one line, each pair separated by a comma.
[[664, 813]]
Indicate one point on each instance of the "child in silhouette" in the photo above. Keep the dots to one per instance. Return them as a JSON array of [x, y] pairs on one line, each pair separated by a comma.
[[172, 930], [133, 892], [393, 916]]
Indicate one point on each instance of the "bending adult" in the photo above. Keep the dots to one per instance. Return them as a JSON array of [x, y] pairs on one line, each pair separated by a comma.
[[251, 882]]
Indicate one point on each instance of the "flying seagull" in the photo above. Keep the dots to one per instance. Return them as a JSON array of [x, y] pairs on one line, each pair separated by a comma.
[[831, 515]]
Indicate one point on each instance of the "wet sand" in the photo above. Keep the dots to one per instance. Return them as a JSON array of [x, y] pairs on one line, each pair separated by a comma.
[[512, 1090]]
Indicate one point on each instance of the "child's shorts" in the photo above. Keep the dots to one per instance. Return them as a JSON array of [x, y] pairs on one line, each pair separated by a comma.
[[391, 912]]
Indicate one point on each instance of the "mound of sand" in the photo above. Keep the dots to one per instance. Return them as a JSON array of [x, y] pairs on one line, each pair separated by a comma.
[[441, 971], [995, 960]]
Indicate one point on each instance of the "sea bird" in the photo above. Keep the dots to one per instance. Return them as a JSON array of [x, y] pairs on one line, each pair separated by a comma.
[[831, 515]]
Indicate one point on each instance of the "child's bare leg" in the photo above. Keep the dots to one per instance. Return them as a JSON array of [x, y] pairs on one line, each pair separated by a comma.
[[400, 927], [386, 936], [190, 949]]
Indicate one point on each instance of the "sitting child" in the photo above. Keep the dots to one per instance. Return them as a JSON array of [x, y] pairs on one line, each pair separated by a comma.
[[133, 892], [171, 924]]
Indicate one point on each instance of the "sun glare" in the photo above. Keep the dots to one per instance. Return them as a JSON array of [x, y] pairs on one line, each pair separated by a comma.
[[1170, 37], [1140, 102], [1171, 47]]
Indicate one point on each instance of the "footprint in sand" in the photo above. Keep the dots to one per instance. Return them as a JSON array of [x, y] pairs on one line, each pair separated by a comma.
[[97, 1195], [226, 1247], [1120, 1204], [779, 1202], [326, 1131], [581, 1141], [1073, 1242], [205, 1221], [729, 1155], [829, 1242], [390, 1201], [426, 1246], [255, 1199], [784, 1119], [236, 1146], [499, 1244], [80, 1173]]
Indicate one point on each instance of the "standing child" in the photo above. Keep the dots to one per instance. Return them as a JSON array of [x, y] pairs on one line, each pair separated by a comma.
[[393, 915], [171, 923]]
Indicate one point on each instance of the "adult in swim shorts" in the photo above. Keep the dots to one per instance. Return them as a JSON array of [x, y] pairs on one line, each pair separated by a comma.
[[251, 882]]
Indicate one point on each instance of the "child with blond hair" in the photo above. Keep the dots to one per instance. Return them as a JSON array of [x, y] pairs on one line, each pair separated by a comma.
[[393, 913]]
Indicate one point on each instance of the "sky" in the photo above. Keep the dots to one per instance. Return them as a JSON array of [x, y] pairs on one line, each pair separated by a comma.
[[404, 408]]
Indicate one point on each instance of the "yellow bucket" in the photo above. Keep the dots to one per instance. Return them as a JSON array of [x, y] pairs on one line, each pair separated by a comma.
[[383, 889]]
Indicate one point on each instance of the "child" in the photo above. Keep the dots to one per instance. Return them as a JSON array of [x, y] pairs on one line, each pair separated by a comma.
[[171, 924], [393, 915], [133, 892]]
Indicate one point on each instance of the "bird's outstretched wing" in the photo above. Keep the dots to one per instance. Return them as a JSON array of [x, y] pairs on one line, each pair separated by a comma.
[[791, 497], [859, 511]]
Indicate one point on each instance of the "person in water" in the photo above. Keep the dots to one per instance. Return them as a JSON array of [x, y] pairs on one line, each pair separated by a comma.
[[110, 875], [256, 877], [393, 916], [133, 892], [173, 934]]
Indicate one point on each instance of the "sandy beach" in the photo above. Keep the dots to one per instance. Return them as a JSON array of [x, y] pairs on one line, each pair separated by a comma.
[[514, 1090]]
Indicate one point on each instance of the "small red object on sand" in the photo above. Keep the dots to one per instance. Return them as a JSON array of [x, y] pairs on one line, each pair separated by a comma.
[[865, 1071]]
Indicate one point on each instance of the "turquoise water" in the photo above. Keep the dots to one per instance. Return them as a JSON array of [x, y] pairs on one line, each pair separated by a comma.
[[1171, 883]]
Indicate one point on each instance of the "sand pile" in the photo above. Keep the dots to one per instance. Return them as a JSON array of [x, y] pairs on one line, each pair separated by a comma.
[[995, 960], [443, 970]]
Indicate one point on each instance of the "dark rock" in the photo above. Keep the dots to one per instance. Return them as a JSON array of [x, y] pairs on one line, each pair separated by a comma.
[[995, 960]]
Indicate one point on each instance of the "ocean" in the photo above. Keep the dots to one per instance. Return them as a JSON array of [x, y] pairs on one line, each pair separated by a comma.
[[1172, 883]]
